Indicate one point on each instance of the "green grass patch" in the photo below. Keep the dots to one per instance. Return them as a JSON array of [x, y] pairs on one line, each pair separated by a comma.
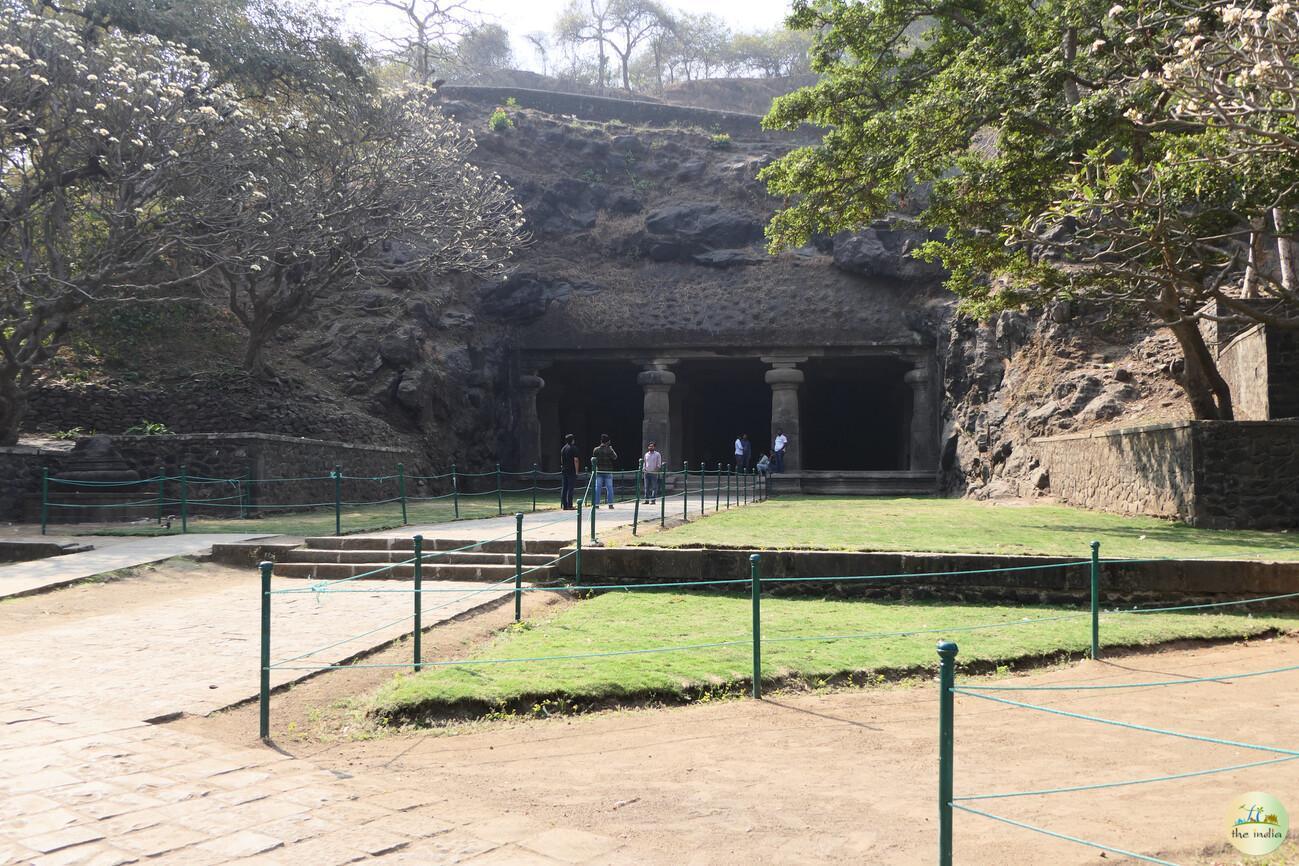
[[966, 526], [364, 518], [620, 621]]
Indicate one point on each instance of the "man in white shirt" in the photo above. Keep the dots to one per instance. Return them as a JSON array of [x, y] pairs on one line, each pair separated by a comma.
[[652, 466], [739, 453], [778, 460]]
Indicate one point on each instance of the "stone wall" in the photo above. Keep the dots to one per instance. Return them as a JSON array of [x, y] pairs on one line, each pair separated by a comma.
[[1138, 470], [1037, 580], [637, 112], [1261, 366], [1243, 362], [1216, 474], [218, 456]]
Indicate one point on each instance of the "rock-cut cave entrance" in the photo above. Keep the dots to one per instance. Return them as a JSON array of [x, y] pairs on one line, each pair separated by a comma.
[[587, 398], [713, 402], [856, 414]]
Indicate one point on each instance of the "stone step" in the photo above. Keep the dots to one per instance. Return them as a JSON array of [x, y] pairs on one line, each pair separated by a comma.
[[308, 554], [371, 542], [467, 572]]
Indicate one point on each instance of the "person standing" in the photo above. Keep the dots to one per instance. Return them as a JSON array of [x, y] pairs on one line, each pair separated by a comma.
[[748, 450], [653, 463], [569, 465], [778, 451], [739, 451], [604, 460]]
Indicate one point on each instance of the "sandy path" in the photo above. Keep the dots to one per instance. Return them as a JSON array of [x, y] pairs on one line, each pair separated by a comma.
[[850, 777]]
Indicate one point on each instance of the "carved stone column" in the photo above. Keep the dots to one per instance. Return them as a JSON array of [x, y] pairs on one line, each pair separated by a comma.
[[784, 377], [529, 430], [656, 422], [924, 425]]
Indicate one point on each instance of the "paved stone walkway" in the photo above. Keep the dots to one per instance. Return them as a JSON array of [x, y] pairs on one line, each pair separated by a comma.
[[85, 780], [22, 578]]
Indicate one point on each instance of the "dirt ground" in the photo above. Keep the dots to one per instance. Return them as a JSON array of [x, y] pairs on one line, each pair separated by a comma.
[[843, 777]]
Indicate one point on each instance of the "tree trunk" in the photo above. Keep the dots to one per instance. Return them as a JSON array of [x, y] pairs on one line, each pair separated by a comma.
[[1205, 388], [13, 406], [254, 362], [1284, 251], [1249, 289]]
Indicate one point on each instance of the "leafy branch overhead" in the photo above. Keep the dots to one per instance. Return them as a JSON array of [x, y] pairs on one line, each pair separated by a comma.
[[1064, 148]]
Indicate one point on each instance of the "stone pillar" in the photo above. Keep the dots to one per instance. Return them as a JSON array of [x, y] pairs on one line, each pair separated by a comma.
[[656, 421], [784, 377], [529, 430], [924, 427]]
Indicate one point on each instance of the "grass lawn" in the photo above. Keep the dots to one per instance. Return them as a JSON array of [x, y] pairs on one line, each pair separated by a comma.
[[365, 518], [641, 620], [966, 526]]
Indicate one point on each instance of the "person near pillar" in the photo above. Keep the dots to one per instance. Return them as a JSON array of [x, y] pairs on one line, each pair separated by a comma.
[[569, 465], [743, 452], [604, 462], [652, 466], [778, 451]]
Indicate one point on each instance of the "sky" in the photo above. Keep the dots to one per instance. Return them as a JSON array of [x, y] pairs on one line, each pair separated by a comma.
[[525, 16]]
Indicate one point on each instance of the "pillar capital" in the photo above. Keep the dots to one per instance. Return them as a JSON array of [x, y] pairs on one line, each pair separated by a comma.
[[783, 362], [917, 378], [782, 378], [657, 363], [656, 379], [531, 382]]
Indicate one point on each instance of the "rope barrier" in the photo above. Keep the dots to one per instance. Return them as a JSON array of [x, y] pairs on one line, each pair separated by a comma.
[[916, 631], [1127, 725], [1127, 783], [928, 573], [1107, 686], [1202, 606], [1142, 857]]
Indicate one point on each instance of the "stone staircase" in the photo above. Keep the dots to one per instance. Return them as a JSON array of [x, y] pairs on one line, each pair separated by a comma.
[[331, 558]]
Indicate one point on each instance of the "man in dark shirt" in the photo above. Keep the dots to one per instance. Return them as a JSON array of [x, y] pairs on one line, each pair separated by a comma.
[[604, 462], [569, 464]]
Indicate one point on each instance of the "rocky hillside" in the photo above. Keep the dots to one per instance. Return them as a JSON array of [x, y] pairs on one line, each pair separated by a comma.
[[613, 210]]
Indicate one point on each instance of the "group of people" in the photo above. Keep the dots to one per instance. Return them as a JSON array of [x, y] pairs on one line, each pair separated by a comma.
[[770, 461], [604, 462]]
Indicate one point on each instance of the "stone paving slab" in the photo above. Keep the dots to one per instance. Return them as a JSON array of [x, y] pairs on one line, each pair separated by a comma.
[[22, 578], [200, 653]]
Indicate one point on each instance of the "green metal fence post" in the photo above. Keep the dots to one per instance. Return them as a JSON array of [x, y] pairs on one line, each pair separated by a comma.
[[500, 489], [1096, 599], [418, 634], [594, 507], [45, 498], [455, 492], [640, 481], [946, 738], [264, 692], [577, 557], [756, 590], [162, 491], [703, 487], [728, 486], [243, 484], [518, 566], [534, 487], [663, 497], [184, 500], [685, 491], [717, 490], [401, 490], [338, 499]]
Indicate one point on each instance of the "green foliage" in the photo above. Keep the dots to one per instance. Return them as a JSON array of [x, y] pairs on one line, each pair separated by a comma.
[[148, 428], [499, 121], [511, 102], [720, 141], [72, 433]]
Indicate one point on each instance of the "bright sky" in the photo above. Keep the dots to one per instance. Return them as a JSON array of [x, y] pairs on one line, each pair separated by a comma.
[[526, 16]]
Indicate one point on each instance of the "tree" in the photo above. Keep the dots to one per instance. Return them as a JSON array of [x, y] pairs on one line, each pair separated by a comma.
[[429, 32], [96, 137], [358, 194], [540, 43], [620, 26], [992, 109], [699, 44], [484, 48]]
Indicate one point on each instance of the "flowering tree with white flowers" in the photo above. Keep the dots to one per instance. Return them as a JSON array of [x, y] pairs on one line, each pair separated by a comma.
[[354, 194], [96, 137]]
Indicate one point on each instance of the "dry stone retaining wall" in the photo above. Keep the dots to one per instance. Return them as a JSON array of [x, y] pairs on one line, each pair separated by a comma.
[[1217, 474]]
